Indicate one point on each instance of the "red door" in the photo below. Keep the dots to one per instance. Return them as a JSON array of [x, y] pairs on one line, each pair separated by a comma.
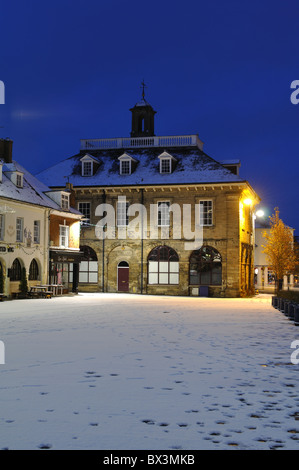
[[123, 279]]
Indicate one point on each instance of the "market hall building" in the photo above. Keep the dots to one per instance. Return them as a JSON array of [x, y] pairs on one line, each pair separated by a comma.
[[180, 189]]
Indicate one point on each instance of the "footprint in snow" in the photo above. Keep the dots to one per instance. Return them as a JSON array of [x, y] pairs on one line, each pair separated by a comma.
[[45, 446]]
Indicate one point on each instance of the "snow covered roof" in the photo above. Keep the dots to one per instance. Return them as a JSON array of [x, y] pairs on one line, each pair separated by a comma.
[[32, 192], [192, 166]]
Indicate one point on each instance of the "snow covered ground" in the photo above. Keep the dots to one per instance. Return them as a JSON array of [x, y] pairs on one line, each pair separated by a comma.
[[105, 371]]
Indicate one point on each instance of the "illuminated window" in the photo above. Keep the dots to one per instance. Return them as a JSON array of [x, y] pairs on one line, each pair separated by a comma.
[[63, 236], [163, 266]]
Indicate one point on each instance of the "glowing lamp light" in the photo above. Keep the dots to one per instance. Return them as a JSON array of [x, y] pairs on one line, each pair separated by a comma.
[[248, 201], [260, 213]]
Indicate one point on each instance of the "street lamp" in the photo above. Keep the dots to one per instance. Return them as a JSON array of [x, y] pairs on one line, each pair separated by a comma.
[[260, 213]]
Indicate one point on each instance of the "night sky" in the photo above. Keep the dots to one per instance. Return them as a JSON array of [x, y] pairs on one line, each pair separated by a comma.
[[222, 70]]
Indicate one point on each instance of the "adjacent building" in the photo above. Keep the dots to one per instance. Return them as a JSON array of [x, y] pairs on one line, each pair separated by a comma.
[[160, 215], [265, 280], [39, 230]]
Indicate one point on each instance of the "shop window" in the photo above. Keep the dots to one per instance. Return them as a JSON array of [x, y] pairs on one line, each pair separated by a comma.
[[88, 267]]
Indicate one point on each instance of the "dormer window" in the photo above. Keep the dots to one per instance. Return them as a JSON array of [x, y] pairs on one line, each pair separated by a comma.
[[125, 167], [87, 168], [19, 180], [88, 165], [126, 162], [65, 201], [166, 163], [15, 176]]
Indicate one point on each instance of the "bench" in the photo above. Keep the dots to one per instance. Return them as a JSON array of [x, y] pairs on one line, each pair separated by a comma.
[[39, 293]]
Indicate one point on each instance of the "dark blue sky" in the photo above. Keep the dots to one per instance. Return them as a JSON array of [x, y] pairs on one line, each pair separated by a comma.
[[72, 69]]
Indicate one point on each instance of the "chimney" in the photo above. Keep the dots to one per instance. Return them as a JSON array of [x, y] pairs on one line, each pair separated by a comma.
[[70, 189], [6, 150]]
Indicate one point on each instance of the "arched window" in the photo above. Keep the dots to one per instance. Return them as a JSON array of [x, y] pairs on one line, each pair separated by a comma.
[[88, 272], [206, 267], [16, 271], [33, 271], [163, 266]]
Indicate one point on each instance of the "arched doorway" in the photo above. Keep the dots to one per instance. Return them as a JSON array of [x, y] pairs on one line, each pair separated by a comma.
[[123, 276]]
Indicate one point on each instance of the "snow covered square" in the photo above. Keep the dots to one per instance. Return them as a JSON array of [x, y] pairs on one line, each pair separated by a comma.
[[121, 371]]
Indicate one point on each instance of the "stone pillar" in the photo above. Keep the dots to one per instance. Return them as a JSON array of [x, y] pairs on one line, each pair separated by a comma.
[[291, 281], [266, 285], [259, 278]]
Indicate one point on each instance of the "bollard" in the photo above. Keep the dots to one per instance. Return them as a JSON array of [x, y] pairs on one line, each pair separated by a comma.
[[281, 305], [275, 302], [296, 315], [291, 311], [286, 307]]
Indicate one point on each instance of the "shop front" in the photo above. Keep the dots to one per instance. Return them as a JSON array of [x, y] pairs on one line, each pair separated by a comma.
[[64, 269]]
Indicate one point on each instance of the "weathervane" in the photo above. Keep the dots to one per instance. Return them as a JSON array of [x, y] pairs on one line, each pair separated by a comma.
[[143, 85]]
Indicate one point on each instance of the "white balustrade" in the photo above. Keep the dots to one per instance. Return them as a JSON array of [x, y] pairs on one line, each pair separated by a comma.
[[142, 142]]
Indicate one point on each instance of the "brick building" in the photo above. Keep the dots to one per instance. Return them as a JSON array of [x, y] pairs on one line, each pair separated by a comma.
[[152, 193]]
